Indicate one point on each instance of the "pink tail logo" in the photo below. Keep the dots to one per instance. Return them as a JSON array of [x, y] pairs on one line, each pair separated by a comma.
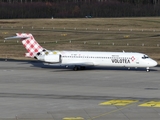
[[30, 44]]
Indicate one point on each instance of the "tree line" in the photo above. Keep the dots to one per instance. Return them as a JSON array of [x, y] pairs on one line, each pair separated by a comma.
[[78, 8], [123, 1]]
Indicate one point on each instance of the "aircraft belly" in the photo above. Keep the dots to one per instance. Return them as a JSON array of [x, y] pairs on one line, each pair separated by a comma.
[[101, 62]]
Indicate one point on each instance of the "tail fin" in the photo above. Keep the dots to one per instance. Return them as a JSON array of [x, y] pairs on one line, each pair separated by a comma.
[[29, 43]]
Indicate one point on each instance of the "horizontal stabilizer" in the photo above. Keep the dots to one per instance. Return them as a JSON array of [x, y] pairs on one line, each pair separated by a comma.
[[17, 37]]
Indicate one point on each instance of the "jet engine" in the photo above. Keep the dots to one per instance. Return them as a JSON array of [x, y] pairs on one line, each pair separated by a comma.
[[48, 57], [52, 58]]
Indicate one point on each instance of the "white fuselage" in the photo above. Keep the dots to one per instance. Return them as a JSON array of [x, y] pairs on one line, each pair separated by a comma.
[[117, 59]]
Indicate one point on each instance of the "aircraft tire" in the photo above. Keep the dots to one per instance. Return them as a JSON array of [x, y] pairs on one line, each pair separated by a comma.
[[148, 70], [75, 68], [82, 68]]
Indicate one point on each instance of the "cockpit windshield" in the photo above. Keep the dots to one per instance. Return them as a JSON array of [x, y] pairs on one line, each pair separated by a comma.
[[145, 57]]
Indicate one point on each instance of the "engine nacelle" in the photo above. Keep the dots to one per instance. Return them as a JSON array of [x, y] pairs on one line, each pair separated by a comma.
[[52, 58]]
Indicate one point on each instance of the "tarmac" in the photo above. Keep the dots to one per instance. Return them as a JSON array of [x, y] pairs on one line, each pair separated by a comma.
[[32, 90]]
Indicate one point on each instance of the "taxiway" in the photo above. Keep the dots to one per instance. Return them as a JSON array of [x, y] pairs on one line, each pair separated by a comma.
[[31, 90]]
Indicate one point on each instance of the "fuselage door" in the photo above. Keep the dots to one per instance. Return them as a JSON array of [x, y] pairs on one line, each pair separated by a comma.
[[60, 58]]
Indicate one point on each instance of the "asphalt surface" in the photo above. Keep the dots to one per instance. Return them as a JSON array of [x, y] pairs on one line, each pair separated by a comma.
[[31, 90]]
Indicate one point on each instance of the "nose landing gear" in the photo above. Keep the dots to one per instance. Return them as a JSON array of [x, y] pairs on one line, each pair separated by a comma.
[[147, 69]]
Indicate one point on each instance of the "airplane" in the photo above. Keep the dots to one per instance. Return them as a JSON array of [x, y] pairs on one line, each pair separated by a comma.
[[79, 60]]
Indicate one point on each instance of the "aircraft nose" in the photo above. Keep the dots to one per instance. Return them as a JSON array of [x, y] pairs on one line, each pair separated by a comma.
[[154, 63]]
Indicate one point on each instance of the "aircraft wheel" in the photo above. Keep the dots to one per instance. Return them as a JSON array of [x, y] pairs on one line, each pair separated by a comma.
[[82, 68], [148, 70], [75, 68]]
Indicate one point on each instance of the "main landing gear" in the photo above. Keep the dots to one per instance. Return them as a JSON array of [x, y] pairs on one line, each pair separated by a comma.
[[75, 68]]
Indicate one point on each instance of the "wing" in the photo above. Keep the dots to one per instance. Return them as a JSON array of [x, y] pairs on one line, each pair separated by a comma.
[[72, 64]]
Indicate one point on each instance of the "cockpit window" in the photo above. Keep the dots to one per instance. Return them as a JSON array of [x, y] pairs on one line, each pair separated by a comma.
[[145, 57]]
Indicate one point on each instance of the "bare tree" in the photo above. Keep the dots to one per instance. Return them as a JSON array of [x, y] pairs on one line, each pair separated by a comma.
[[156, 2]]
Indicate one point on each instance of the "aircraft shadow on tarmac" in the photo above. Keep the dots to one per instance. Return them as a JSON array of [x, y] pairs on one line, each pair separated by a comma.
[[39, 64], [63, 68]]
